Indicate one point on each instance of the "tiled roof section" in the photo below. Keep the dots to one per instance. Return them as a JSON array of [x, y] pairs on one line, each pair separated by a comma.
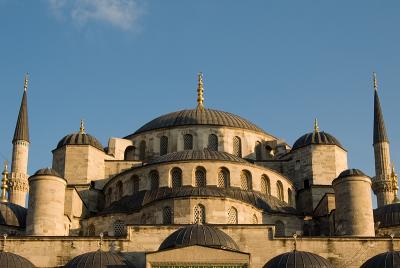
[[21, 129], [12, 215], [388, 215], [98, 259], [351, 172], [298, 259], [389, 259], [201, 235], [137, 201], [198, 117], [204, 154], [80, 139], [11, 260], [380, 134], [316, 137]]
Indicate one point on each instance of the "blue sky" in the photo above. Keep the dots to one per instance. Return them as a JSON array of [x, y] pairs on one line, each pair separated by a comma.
[[119, 63]]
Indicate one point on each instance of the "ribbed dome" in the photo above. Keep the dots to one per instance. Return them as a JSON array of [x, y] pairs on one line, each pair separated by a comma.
[[199, 117], [204, 154], [201, 235], [388, 215], [98, 259], [11, 260], [12, 215], [80, 138], [298, 259], [351, 172], [47, 171], [389, 259], [316, 137]]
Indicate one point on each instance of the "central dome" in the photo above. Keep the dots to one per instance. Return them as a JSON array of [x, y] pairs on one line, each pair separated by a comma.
[[199, 117]]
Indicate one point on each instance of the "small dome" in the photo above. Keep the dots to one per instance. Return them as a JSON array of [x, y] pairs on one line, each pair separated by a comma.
[[12, 215], [296, 259], [47, 171], [98, 259], [351, 172], [11, 260], [201, 235], [80, 138], [316, 138], [389, 259], [388, 215]]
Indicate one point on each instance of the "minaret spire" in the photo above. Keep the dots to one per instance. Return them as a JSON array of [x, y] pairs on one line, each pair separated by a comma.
[[21, 129], [380, 134], [200, 91]]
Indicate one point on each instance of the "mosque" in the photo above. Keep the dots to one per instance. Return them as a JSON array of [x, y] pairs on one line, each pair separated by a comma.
[[199, 188]]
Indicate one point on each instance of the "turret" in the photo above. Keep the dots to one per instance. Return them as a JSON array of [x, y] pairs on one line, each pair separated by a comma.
[[382, 184], [18, 181]]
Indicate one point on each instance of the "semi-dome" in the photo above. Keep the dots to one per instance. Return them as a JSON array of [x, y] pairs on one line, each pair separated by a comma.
[[316, 138], [388, 215], [201, 235], [80, 138], [98, 259], [11, 260], [12, 215], [389, 259], [297, 259], [199, 117]]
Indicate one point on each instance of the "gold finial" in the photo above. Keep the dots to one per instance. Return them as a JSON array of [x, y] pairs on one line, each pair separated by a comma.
[[82, 127], [101, 241], [295, 241], [26, 81], [375, 81], [200, 91], [4, 183], [316, 128], [392, 241], [395, 184]]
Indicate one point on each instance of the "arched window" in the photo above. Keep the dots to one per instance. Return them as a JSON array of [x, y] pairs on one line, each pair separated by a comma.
[[237, 146], [258, 150], [232, 216], [154, 180], [279, 228], [91, 230], [187, 142], [176, 178], [142, 150], [265, 185], [163, 145], [200, 177], [269, 151], [130, 153], [290, 197], [245, 180], [255, 220], [167, 215], [109, 195], [213, 142], [223, 178], [279, 188], [120, 189], [199, 214], [119, 228], [135, 184]]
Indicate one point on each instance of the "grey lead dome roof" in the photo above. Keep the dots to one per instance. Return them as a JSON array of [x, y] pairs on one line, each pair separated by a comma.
[[80, 138], [298, 259], [318, 138], [98, 259], [351, 172], [12, 215], [11, 260], [199, 117], [389, 259], [387, 215], [201, 235]]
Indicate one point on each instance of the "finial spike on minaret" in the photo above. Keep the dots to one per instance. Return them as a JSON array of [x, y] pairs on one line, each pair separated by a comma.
[[316, 128], [26, 81], [375, 81], [200, 91], [82, 127], [4, 183]]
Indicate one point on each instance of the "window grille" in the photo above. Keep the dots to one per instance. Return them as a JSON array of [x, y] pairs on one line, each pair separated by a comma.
[[163, 145], [213, 142], [135, 184], [255, 220], [245, 180], [265, 185], [167, 215], [223, 178], [279, 188], [142, 150], [200, 178], [232, 216], [237, 146], [119, 228], [176, 176], [258, 150], [154, 180], [187, 142], [199, 214]]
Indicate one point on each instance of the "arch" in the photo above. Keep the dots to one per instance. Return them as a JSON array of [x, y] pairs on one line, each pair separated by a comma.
[[237, 146], [265, 185], [91, 230], [223, 178], [257, 149], [279, 189], [254, 219], [290, 196], [188, 142], [200, 177], [269, 151], [213, 142], [142, 150], [245, 180], [232, 215], [129, 153], [199, 214], [176, 177], [167, 217], [135, 183], [120, 189], [279, 228], [119, 228], [154, 180], [163, 145]]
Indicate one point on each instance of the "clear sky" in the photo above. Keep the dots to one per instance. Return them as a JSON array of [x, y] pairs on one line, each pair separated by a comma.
[[120, 63]]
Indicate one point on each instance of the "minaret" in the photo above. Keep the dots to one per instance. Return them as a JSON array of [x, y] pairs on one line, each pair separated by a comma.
[[382, 184], [18, 181]]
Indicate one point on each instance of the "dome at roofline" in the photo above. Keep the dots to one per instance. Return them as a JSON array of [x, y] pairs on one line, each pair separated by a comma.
[[316, 138], [296, 259], [198, 117], [12, 215], [351, 172], [47, 171], [98, 259], [389, 259], [387, 215], [200, 235], [11, 260], [80, 138]]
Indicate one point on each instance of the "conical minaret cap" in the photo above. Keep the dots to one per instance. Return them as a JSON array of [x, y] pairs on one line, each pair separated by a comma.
[[380, 134], [21, 129]]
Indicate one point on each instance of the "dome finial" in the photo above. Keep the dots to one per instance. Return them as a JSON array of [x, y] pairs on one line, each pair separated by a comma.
[[101, 241], [375, 81], [26, 81], [82, 127], [316, 128], [200, 91], [4, 183], [295, 241]]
